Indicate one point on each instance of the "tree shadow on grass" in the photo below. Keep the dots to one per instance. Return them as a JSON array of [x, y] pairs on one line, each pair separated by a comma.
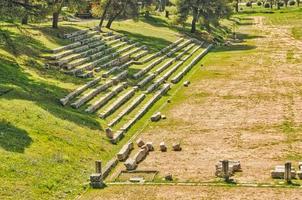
[[43, 94], [12, 138], [235, 47]]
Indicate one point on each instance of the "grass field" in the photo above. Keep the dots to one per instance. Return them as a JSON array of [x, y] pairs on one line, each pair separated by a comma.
[[48, 151]]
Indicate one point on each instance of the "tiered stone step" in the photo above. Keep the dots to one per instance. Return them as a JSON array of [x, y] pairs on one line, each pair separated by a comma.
[[128, 109], [165, 77], [158, 61], [140, 114], [64, 101], [118, 103], [181, 74], [104, 100]]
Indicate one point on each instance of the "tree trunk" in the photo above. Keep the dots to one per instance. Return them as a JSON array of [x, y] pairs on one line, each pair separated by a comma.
[[111, 19], [237, 6], [298, 3], [207, 25], [55, 19], [104, 13], [25, 17], [194, 21], [167, 14]]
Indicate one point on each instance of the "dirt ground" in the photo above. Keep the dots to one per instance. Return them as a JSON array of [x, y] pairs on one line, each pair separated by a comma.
[[197, 192], [244, 104], [251, 112]]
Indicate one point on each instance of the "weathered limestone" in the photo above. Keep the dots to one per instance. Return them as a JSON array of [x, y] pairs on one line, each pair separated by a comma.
[[279, 172], [146, 80], [163, 147], [179, 76], [118, 103], [98, 166], [86, 75], [187, 83], [102, 101], [299, 172], [140, 142], [176, 147], [150, 146], [140, 155], [109, 166], [287, 172], [96, 180], [92, 94], [125, 151], [140, 55], [117, 136], [130, 164], [148, 68], [120, 77], [233, 166], [84, 36], [165, 66], [156, 117], [79, 90], [225, 170], [168, 177], [127, 110], [76, 33], [109, 133], [186, 50], [185, 44]]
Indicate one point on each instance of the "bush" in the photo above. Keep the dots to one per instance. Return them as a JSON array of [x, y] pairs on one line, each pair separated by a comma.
[[259, 3], [267, 5], [292, 3], [248, 4]]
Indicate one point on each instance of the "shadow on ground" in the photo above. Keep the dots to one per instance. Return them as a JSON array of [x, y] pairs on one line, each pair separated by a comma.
[[12, 138]]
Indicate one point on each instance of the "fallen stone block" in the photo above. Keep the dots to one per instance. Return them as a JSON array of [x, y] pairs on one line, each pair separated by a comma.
[[176, 147], [150, 146], [234, 166], [140, 142], [109, 166], [278, 172], [130, 164], [163, 147], [186, 83], [109, 133], [156, 117], [140, 155], [163, 117], [117, 137], [125, 151], [168, 177]]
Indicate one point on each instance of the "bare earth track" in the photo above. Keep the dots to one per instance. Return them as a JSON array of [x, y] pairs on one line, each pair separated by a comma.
[[242, 106]]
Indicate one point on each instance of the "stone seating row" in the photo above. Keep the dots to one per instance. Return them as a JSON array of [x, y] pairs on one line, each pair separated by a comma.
[[118, 103], [165, 77], [127, 110], [181, 74], [156, 62], [92, 94], [140, 114], [104, 99], [64, 101]]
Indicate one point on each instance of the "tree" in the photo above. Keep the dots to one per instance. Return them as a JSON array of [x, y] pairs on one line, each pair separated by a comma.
[[209, 10], [55, 7]]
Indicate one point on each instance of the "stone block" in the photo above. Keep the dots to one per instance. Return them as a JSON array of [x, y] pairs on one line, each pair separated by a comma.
[[109, 133], [163, 147], [140, 142], [150, 146], [168, 177], [130, 164], [176, 147], [125, 151], [140, 155], [156, 117]]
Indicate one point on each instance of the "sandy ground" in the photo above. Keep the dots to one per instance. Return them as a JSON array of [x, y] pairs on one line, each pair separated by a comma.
[[241, 115], [186, 192], [250, 111]]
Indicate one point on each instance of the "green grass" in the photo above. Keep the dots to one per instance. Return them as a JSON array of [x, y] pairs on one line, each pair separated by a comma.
[[48, 151]]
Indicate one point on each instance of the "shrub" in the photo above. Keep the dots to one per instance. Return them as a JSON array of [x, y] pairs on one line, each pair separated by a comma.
[[248, 4], [259, 3], [292, 3], [267, 5]]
